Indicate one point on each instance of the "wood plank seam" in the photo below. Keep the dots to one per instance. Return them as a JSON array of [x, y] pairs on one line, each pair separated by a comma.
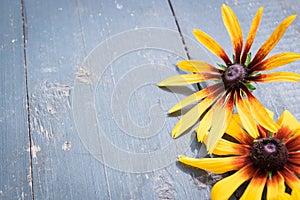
[[27, 98]]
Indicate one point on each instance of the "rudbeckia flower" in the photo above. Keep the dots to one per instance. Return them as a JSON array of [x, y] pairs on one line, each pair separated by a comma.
[[270, 161], [232, 82]]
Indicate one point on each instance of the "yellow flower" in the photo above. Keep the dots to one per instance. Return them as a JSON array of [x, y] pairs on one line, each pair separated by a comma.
[[232, 81], [269, 160]]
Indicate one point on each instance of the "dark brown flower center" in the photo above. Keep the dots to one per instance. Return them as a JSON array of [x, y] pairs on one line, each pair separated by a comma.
[[269, 154], [234, 74]]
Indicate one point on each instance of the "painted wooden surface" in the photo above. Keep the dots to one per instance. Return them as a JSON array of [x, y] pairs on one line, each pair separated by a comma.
[[15, 179], [98, 124]]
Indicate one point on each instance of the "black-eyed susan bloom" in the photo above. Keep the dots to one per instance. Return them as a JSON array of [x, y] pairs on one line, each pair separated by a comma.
[[270, 161], [232, 81]]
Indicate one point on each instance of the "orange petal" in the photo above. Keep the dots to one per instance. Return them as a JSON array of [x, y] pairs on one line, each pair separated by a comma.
[[290, 178], [276, 61], [275, 186], [294, 157], [196, 66], [187, 79], [193, 115], [263, 132], [251, 34], [215, 165], [256, 184], [293, 167], [212, 45], [243, 109], [227, 186], [260, 114], [221, 116], [211, 90], [276, 77], [266, 48], [284, 133], [225, 147], [234, 29], [293, 144]]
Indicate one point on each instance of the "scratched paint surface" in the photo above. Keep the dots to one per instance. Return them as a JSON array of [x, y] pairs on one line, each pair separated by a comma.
[[15, 168], [98, 124]]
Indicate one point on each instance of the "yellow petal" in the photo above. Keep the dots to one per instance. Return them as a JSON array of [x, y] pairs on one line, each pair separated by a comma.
[[227, 186], [216, 88], [187, 79], [215, 165], [234, 128], [234, 29], [255, 187], [285, 196], [260, 114], [236, 131], [272, 40], [192, 116], [187, 121], [196, 66], [243, 109], [275, 186], [270, 113], [211, 45], [288, 120], [189, 100], [221, 118], [225, 147], [276, 61], [204, 125], [277, 77], [252, 33], [296, 193]]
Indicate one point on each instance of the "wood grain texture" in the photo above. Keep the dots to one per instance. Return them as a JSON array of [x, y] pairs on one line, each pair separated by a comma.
[[15, 179], [99, 128], [60, 35]]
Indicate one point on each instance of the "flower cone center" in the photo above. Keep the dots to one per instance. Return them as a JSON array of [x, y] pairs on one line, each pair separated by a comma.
[[269, 154], [234, 74]]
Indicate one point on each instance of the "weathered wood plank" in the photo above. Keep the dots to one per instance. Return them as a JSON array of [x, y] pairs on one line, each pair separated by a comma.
[[99, 124], [62, 168], [15, 179]]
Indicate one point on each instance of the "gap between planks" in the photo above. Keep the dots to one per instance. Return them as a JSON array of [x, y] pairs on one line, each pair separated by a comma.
[[181, 35], [24, 36]]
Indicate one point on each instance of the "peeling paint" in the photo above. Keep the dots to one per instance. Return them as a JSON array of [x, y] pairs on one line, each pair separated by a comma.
[[34, 150], [50, 104], [83, 75], [29, 178], [164, 187], [66, 146], [49, 69]]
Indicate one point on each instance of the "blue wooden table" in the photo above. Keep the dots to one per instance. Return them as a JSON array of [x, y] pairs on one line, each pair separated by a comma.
[[81, 116]]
